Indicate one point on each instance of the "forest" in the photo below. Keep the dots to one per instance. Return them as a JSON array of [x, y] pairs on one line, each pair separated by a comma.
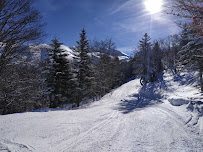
[[53, 81]]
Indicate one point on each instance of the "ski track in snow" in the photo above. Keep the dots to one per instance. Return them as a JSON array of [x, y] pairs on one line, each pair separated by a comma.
[[101, 127]]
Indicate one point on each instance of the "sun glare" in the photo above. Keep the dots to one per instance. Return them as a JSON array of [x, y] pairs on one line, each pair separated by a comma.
[[153, 6]]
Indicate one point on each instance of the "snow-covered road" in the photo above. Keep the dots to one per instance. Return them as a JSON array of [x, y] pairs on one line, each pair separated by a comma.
[[114, 123]]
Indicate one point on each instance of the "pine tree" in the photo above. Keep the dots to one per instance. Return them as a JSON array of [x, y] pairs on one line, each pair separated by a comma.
[[59, 77], [145, 48], [84, 66], [185, 35], [104, 74], [156, 57], [191, 37], [191, 55], [175, 42], [117, 73]]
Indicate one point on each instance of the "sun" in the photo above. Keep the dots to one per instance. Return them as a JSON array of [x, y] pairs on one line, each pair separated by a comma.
[[153, 6]]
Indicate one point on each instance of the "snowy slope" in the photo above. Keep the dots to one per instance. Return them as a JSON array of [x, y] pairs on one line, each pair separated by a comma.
[[113, 52], [115, 123], [39, 52]]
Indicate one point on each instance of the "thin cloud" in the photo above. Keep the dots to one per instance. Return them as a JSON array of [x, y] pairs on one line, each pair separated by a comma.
[[129, 5], [134, 18], [97, 20]]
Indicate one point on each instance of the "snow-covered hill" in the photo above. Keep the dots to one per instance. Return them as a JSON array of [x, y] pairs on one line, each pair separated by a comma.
[[39, 52], [113, 52], [130, 118]]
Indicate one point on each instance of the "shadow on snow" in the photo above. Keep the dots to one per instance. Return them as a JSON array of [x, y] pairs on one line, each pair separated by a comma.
[[149, 94]]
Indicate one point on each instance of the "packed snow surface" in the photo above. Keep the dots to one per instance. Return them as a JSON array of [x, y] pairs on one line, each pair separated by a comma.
[[115, 123]]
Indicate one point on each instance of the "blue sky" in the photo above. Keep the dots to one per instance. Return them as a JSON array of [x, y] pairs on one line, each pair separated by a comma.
[[125, 21]]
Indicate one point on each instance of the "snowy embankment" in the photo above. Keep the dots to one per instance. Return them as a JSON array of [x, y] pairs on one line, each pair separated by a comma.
[[130, 118]]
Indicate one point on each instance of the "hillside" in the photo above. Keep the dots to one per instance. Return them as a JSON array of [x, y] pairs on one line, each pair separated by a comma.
[[130, 118], [39, 52]]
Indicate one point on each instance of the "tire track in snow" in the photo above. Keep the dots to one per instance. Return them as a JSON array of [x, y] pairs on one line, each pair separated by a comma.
[[182, 125], [174, 115], [171, 114], [90, 131]]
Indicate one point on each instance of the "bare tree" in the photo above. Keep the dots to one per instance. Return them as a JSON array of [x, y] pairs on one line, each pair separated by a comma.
[[20, 24], [110, 45], [20, 83], [191, 52], [104, 46], [188, 9]]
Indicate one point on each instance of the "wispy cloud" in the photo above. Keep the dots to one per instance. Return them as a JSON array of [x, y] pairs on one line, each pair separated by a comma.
[[129, 5], [134, 18], [98, 20]]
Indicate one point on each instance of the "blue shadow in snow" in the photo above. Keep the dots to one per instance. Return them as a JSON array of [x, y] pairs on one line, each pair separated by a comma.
[[186, 79], [149, 94]]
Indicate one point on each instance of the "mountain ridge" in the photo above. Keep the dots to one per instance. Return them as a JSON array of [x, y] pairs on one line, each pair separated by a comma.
[[39, 52]]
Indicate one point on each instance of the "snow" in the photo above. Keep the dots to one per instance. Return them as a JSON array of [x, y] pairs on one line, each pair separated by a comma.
[[114, 123], [36, 51], [123, 58], [70, 53], [178, 101], [201, 124], [97, 55]]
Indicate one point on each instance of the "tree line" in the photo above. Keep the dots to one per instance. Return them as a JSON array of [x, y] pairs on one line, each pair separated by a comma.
[[27, 84], [70, 82], [179, 52], [54, 81]]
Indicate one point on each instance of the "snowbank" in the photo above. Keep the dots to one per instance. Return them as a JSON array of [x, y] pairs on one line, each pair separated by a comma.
[[178, 101]]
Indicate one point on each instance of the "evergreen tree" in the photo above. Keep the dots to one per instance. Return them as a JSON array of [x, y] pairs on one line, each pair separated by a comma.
[[117, 73], [59, 77], [156, 57], [136, 64], [185, 35], [84, 68], [145, 48], [104, 74], [191, 55], [191, 52], [175, 42]]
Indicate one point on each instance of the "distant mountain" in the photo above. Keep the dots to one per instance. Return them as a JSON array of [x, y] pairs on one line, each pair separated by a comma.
[[113, 52], [39, 52]]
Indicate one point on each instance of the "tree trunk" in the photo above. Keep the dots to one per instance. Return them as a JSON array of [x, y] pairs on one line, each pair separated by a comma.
[[201, 79]]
